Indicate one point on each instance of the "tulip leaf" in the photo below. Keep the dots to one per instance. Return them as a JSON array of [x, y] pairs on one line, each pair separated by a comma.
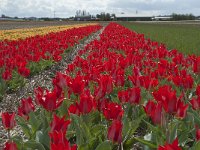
[[106, 145], [76, 124], [44, 120], [145, 142], [86, 131], [34, 122], [128, 144], [96, 129], [19, 141], [93, 117], [197, 146], [196, 117], [153, 128], [131, 126], [62, 109], [24, 126], [33, 145], [84, 147], [183, 136], [173, 133], [126, 126], [43, 138]]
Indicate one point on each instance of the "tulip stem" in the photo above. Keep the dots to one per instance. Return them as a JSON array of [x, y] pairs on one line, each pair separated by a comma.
[[9, 135]]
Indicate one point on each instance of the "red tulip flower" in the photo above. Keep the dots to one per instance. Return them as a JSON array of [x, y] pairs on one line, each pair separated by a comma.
[[182, 110], [73, 108], [57, 137], [26, 107], [70, 68], [197, 134], [131, 95], [118, 77], [59, 124], [123, 96], [149, 108], [173, 146], [113, 111], [103, 103], [115, 131], [134, 95], [105, 86], [148, 82], [154, 111], [51, 100], [38, 95], [61, 80], [196, 66], [168, 98], [59, 141], [195, 103], [198, 90], [10, 146], [8, 120], [25, 72], [185, 82], [77, 84], [156, 114], [7, 75], [87, 103]]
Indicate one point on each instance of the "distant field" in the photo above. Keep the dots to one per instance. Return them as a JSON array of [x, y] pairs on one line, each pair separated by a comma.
[[9, 25], [184, 37]]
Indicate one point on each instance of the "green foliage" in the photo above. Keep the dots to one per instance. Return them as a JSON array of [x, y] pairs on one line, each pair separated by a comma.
[[176, 17], [37, 67], [15, 83]]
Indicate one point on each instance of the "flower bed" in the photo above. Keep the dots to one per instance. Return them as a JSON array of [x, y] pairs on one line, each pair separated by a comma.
[[120, 91], [16, 34], [19, 59]]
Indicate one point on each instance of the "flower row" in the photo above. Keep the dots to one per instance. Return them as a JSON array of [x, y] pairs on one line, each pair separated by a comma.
[[17, 34], [21, 58], [121, 90]]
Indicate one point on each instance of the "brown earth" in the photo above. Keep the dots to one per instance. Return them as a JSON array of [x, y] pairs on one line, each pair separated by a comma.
[[9, 25]]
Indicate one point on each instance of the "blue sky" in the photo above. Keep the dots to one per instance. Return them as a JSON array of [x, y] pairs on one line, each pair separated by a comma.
[[67, 8]]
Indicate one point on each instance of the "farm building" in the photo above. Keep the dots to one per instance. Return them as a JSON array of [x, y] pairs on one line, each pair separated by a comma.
[[135, 17], [162, 18], [83, 18]]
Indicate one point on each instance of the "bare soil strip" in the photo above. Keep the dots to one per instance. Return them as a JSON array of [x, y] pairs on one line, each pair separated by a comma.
[[9, 25]]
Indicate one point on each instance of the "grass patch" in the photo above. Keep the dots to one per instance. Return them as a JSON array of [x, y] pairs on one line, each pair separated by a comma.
[[183, 37]]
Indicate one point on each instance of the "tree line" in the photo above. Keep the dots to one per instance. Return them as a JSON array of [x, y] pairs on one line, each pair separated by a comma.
[[176, 17]]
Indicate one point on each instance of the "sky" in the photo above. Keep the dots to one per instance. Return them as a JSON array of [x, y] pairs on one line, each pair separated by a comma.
[[68, 8]]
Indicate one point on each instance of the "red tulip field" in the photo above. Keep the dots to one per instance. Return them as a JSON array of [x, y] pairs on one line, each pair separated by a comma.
[[120, 92]]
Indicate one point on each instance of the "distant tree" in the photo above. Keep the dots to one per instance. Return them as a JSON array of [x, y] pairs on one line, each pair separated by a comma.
[[82, 13], [98, 16], [177, 17], [3, 16], [113, 16], [103, 16], [47, 19], [107, 17]]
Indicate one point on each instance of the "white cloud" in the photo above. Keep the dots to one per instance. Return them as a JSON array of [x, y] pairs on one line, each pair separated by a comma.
[[66, 8]]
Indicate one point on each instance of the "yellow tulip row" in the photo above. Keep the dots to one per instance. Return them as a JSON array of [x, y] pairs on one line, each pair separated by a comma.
[[16, 34]]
